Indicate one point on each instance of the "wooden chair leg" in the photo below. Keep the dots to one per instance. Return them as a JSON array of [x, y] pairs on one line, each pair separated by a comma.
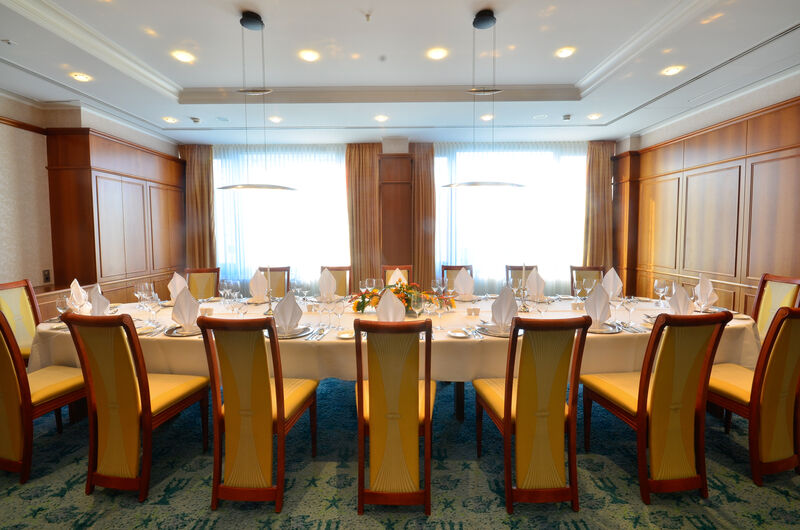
[[92, 457], [147, 460], [204, 420], [478, 426], [458, 389], [507, 472], [279, 481], [427, 482], [728, 420], [641, 450], [59, 424], [217, 472], [573, 465], [700, 453], [587, 420], [27, 453], [312, 416], [361, 465]]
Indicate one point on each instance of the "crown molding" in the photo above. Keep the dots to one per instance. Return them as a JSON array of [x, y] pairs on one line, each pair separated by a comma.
[[68, 27]]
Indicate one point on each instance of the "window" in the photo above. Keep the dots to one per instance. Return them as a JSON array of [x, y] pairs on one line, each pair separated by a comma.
[[491, 227], [304, 229]]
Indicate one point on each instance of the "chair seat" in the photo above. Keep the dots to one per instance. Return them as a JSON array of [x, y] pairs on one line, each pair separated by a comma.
[[621, 388], [54, 381], [295, 393], [493, 392], [168, 389], [421, 400], [731, 381]]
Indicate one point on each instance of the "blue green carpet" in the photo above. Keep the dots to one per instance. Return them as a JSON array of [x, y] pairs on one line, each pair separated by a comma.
[[321, 493]]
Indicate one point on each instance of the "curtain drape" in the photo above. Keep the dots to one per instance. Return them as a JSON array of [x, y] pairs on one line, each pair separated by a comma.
[[200, 242], [424, 214], [599, 210], [361, 162]]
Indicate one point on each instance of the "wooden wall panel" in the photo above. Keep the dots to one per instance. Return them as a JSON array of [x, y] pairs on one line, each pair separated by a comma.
[[110, 228], [72, 226], [658, 222], [166, 220], [719, 144], [395, 195], [774, 130], [134, 208], [712, 220], [115, 155], [667, 159], [625, 203]]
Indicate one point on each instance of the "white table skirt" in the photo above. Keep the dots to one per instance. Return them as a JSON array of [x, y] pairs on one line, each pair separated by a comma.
[[452, 359]]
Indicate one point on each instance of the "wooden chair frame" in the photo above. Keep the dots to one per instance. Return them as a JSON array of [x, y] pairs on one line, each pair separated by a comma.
[[206, 270], [37, 314], [752, 412], [762, 284], [366, 496], [346, 268], [519, 268], [409, 268], [281, 425], [285, 270], [457, 268], [576, 268], [28, 411], [507, 426], [639, 422], [149, 421]]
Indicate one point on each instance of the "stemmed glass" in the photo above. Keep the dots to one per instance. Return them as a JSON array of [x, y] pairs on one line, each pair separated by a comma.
[[370, 284], [338, 310], [616, 303], [439, 309], [417, 303], [138, 292], [362, 286], [542, 304], [436, 286], [152, 304], [660, 288], [61, 305], [629, 303], [379, 285], [578, 285]]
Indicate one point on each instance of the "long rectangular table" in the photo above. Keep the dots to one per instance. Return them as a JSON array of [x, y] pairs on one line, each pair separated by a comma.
[[453, 359]]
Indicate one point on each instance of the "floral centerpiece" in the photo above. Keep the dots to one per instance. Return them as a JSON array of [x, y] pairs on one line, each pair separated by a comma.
[[403, 292]]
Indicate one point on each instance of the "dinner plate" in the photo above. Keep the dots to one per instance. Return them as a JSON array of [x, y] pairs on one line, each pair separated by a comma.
[[296, 333], [214, 299], [252, 301], [458, 334], [346, 334], [494, 331], [167, 303], [466, 298], [491, 295], [59, 327], [605, 329], [178, 331], [146, 330]]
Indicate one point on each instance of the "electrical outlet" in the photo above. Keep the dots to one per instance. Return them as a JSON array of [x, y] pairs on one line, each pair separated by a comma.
[[46, 275]]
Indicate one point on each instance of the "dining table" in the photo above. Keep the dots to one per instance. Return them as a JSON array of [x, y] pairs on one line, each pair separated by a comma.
[[458, 352]]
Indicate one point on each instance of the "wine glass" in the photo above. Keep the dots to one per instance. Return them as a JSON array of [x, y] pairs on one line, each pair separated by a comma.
[[436, 286], [629, 303], [660, 288], [616, 303], [439, 309], [417, 303], [577, 283], [61, 304], [370, 283], [338, 310], [379, 284], [542, 304], [362, 286], [240, 306], [153, 304]]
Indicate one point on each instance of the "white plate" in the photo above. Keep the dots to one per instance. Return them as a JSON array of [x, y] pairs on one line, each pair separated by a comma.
[[346, 334], [296, 333], [251, 301], [605, 329], [59, 327], [466, 298], [145, 330], [494, 330], [492, 295], [167, 303], [458, 334], [178, 331]]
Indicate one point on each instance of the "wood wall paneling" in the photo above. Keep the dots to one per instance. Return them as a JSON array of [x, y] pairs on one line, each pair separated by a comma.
[[774, 130], [667, 159], [719, 144], [658, 222], [166, 220], [625, 204], [134, 209], [110, 227], [395, 195], [117, 156]]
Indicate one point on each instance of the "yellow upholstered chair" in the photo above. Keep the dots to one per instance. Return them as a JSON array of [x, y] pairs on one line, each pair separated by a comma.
[[126, 402], [665, 403], [577, 273], [514, 272], [344, 279], [256, 406], [774, 292], [394, 409], [449, 273], [278, 280], [27, 396], [774, 428], [531, 406], [203, 283], [405, 270], [18, 304]]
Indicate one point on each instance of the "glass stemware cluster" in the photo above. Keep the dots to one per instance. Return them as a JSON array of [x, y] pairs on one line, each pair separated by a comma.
[[148, 300]]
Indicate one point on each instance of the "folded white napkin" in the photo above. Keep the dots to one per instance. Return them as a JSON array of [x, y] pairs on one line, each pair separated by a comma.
[[612, 283], [176, 285], [186, 310], [464, 285], [597, 306], [287, 313], [327, 286], [78, 299], [390, 308], [535, 285], [98, 302], [704, 292], [397, 277], [504, 309], [680, 303], [258, 286]]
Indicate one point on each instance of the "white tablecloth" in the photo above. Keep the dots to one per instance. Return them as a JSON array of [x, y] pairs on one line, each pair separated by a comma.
[[452, 359]]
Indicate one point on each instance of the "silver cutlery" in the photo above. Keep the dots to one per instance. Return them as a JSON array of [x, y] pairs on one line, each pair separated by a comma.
[[313, 334], [322, 335]]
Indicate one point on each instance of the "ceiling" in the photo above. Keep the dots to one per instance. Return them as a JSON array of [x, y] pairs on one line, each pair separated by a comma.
[[379, 66]]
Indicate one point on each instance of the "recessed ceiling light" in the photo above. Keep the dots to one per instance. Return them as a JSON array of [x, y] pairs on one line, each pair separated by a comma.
[[355, 56], [565, 52], [512, 47], [539, 116], [712, 18], [80, 76], [183, 56], [150, 31], [672, 70], [275, 119], [381, 118], [487, 117], [308, 55], [666, 51], [594, 116], [437, 54], [170, 119]]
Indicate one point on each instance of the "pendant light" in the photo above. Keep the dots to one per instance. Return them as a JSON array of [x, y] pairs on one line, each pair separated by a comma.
[[484, 19], [252, 21]]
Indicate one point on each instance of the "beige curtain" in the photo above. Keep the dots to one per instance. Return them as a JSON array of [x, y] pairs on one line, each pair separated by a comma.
[[424, 214], [597, 228], [361, 161], [201, 246]]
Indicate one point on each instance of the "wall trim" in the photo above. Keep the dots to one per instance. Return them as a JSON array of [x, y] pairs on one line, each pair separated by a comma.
[[22, 125], [54, 131]]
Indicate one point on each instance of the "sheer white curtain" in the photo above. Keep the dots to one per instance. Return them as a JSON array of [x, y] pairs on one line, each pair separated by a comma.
[[491, 227], [304, 229]]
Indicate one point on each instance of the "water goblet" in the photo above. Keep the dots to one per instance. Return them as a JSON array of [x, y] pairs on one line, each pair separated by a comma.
[[629, 303], [61, 305], [362, 286], [338, 310], [370, 284], [439, 309], [660, 288], [417, 303]]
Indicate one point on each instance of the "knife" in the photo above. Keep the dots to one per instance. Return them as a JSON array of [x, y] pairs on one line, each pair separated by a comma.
[[313, 334], [321, 335]]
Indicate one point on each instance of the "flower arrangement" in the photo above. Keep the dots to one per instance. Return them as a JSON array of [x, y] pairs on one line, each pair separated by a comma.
[[402, 291]]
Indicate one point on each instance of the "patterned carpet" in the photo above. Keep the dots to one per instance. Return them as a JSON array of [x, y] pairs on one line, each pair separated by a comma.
[[321, 493]]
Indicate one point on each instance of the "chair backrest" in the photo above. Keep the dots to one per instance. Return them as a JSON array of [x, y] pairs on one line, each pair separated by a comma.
[[405, 270], [203, 283], [344, 279], [15, 396], [775, 382], [119, 395], [673, 388], [774, 292], [238, 365], [449, 273], [393, 367], [584, 273], [549, 348], [278, 280], [18, 304], [514, 272]]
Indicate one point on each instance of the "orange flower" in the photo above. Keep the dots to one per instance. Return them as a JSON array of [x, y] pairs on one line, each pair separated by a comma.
[[374, 301]]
